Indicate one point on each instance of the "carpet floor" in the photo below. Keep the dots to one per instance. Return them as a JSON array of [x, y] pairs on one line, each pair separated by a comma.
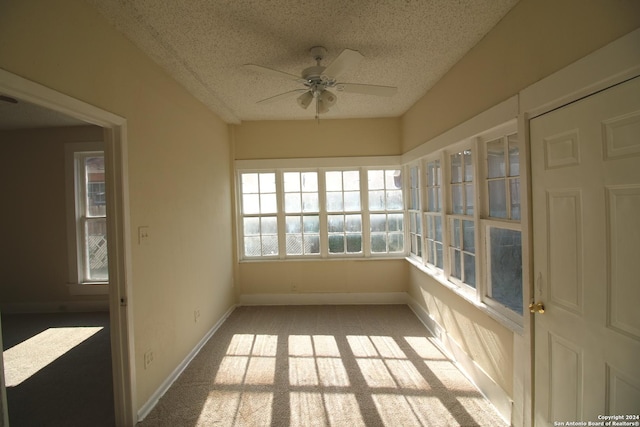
[[322, 366], [58, 369]]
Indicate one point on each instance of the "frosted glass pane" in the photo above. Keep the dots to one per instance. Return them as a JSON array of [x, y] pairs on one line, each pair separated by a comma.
[[376, 200], [250, 183], [376, 179], [268, 203], [291, 182], [456, 199], [311, 224], [470, 270], [395, 222], [506, 268], [495, 159], [309, 181], [267, 182], [515, 198], [378, 222], [396, 242], [456, 168], [497, 199], [334, 202], [335, 223], [514, 155], [252, 246], [293, 224], [468, 237], [351, 180], [353, 223], [336, 243], [250, 204], [251, 226], [292, 202], [468, 166], [394, 200], [378, 243], [352, 201], [269, 225], [354, 243], [334, 181], [310, 202]]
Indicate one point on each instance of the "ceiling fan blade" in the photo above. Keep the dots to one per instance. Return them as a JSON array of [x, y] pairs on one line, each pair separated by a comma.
[[348, 58], [367, 89], [8, 99], [285, 95], [272, 72]]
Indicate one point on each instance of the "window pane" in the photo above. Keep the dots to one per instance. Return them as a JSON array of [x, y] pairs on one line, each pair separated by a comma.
[[309, 181], [351, 180], [352, 201], [456, 199], [395, 222], [468, 237], [468, 166], [94, 181], [394, 200], [292, 224], [515, 198], [250, 183], [268, 203], [353, 223], [335, 223], [497, 199], [250, 204], [354, 243], [334, 181], [438, 226], [294, 244], [506, 268], [456, 265], [514, 155], [376, 179], [456, 168], [311, 224], [432, 200], [267, 182], [376, 200], [292, 202], [98, 266], [393, 179], [270, 245], [495, 159], [378, 243], [336, 243], [291, 182], [251, 226], [312, 244], [252, 246], [378, 222], [456, 233], [334, 202], [396, 242], [269, 225], [469, 198], [439, 256], [310, 202], [470, 270]]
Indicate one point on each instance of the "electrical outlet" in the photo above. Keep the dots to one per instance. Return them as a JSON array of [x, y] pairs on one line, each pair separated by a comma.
[[144, 235], [294, 288], [148, 358], [196, 315]]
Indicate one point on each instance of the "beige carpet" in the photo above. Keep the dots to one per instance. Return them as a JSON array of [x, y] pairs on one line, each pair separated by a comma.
[[322, 366]]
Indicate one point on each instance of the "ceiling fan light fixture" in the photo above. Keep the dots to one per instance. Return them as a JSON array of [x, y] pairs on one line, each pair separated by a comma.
[[305, 99]]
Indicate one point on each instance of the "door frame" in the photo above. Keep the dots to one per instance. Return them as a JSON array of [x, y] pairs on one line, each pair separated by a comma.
[[119, 240], [613, 64]]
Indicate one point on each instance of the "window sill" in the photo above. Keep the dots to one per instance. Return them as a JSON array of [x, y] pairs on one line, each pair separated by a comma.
[[89, 289], [331, 258], [461, 292]]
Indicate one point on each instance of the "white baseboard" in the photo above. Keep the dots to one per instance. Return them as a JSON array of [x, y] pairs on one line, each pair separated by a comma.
[[487, 386], [337, 298], [55, 306], [155, 397]]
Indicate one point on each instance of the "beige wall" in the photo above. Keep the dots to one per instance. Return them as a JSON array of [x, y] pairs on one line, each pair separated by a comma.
[[308, 138], [33, 256], [178, 171], [535, 39]]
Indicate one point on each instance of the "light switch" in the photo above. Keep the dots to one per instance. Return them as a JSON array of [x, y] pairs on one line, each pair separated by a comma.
[[143, 235]]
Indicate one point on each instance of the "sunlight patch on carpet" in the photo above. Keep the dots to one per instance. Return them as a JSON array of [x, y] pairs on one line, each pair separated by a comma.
[[30, 356]]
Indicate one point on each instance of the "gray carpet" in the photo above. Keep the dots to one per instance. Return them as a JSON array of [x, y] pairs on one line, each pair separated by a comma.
[[58, 369], [322, 366]]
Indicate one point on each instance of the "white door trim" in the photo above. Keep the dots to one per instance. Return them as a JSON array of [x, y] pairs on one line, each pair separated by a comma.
[[120, 304], [613, 64]]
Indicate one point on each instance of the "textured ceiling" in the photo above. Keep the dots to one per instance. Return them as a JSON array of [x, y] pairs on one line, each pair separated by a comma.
[[203, 44]]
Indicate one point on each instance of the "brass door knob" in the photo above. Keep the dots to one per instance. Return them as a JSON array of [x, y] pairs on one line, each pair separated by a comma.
[[536, 307]]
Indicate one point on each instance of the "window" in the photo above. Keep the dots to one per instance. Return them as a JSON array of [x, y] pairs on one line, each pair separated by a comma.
[[433, 216], [462, 263], [344, 219], [327, 212], [302, 208], [415, 212], [386, 211], [259, 214], [503, 234]]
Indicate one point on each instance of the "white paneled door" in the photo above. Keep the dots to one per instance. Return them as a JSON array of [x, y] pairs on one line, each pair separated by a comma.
[[586, 225]]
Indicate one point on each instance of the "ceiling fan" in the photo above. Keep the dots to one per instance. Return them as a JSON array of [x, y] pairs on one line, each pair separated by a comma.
[[317, 80]]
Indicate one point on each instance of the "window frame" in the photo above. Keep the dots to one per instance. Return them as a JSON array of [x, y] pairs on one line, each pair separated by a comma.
[[78, 282]]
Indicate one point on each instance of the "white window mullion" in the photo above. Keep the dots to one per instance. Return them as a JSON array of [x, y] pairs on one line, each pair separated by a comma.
[[280, 215], [364, 209], [478, 252], [322, 200]]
